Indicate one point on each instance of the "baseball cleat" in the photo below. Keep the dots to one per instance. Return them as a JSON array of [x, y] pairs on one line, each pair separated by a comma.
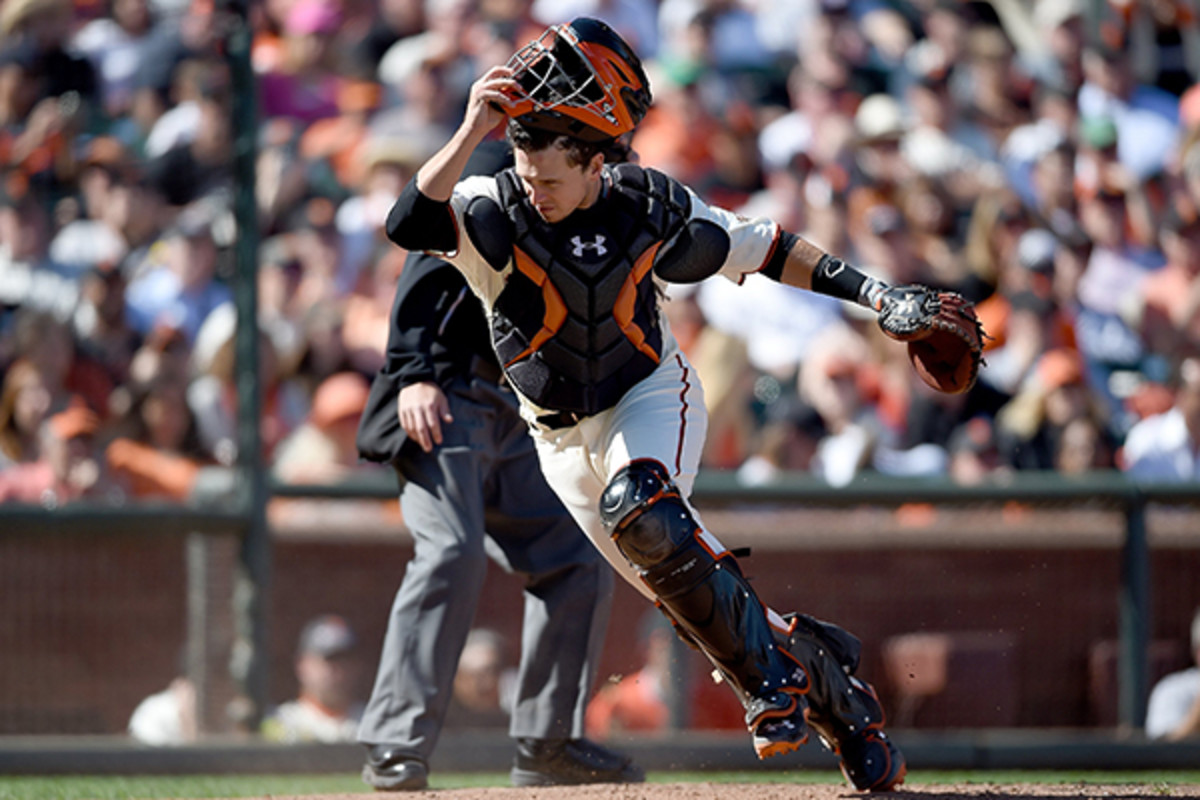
[[871, 762], [776, 723]]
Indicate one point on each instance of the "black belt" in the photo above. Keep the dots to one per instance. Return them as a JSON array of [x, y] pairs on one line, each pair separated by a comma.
[[485, 370], [561, 419]]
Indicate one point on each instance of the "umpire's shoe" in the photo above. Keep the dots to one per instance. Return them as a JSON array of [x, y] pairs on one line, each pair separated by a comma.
[[389, 769], [565, 762]]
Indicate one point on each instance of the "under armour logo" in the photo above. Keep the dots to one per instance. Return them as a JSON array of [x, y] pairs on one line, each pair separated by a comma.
[[581, 245]]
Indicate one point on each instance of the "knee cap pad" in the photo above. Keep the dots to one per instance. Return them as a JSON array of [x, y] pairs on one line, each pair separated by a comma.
[[642, 510]]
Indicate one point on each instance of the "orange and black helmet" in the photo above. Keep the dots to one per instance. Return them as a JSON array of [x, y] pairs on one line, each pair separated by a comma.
[[580, 79]]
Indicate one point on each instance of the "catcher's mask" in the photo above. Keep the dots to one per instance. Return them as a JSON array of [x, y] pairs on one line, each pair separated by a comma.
[[580, 79]]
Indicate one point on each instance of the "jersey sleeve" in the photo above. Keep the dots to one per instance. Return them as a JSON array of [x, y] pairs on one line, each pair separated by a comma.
[[751, 240]]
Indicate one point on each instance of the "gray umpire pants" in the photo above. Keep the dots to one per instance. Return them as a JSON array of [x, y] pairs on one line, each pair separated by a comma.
[[480, 494]]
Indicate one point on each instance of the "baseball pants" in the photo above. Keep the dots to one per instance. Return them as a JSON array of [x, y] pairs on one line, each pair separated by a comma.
[[479, 494]]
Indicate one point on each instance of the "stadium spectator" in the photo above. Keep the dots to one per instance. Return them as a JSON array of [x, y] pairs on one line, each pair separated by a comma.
[[973, 454], [103, 333], [839, 381], [166, 718], [160, 455], [190, 81], [94, 237], [49, 344], [67, 467], [123, 46], [483, 684], [787, 441], [943, 143], [322, 450], [1169, 311], [202, 164], [1146, 117], [1174, 709], [25, 402], [1022, 316], [64, 84], [181, 289], [1030, 427], [1083, 446], [1166, 446], [212, 391], [328, 706], [304, 85]]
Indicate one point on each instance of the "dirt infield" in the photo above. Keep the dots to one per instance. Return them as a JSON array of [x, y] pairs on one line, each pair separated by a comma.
[[781, 791]]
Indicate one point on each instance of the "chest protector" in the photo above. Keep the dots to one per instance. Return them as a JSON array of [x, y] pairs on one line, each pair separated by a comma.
[[577, 323]]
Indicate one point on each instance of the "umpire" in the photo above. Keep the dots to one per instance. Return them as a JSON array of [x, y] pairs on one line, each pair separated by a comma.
[[471, 487]]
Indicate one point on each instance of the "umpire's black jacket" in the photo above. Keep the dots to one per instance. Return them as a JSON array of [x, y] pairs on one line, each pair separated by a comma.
[[437, 332]]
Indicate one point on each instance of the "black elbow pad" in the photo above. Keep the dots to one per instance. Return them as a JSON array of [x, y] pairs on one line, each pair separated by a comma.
[[697, 252], [490, 230]]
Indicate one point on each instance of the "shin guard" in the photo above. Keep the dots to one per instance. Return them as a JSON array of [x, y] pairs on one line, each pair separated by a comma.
[[708, 599]]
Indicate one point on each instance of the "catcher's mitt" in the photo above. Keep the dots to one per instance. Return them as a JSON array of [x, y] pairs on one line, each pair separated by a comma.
[[945, 338]]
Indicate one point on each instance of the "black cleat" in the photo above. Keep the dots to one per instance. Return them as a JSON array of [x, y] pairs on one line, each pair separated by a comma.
[[776, 722], [871, 762], [567, 762], [389, 769]]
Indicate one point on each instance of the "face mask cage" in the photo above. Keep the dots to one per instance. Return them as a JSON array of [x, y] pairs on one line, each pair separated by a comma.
[[553, 73]]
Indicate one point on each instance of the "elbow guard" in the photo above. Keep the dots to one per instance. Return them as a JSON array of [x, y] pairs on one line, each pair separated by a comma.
[[697, 252]]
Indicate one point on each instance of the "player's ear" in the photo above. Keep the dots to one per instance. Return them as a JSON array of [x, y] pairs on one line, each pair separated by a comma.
[[594, 166]]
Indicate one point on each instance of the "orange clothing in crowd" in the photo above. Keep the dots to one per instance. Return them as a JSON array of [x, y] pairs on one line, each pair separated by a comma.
[[150, 472]]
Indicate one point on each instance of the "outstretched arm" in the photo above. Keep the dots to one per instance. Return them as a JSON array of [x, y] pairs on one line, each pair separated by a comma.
[[945, 339], [807, 266]]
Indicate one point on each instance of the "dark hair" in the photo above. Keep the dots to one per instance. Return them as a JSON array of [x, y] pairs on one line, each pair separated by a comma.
[[534, 140]]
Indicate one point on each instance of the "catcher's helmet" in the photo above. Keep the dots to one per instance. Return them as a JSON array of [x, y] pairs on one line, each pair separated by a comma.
[[580, 79]]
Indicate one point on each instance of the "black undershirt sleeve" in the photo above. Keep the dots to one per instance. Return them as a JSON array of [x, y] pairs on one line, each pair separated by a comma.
[[418, 223]]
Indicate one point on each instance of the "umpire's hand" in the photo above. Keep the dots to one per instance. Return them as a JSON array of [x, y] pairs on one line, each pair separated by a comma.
[[422, 408]]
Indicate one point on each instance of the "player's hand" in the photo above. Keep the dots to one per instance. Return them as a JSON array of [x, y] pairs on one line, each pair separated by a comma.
[[423, 408], [490, 96]]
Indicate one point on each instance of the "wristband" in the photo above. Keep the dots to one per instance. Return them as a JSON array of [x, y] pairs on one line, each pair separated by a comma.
[[836, 278]]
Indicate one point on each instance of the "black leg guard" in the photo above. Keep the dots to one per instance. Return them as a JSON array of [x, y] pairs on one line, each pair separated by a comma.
[[843, 709], [708, 599]]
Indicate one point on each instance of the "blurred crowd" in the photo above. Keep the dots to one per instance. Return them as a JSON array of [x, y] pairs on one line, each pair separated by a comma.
[[1042, 157]]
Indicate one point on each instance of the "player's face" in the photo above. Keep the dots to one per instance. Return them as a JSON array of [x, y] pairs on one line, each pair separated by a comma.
[[554, 186]]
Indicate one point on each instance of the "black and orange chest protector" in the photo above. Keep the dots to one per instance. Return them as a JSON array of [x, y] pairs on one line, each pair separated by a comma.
[[577, 322]]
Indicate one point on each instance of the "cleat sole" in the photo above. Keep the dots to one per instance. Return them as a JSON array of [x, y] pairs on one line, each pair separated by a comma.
[[769, 749]]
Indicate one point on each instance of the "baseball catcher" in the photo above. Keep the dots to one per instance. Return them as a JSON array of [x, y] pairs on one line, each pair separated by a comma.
[[568, 254]]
